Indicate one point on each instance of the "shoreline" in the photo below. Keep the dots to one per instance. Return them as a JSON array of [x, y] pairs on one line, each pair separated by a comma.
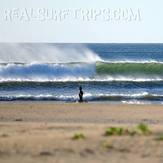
[[159, 103]]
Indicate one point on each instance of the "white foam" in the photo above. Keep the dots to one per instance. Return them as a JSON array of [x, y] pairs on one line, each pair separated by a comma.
[[46, 72]]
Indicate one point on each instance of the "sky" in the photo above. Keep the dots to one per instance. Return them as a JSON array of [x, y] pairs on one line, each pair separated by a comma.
[[81, 21]]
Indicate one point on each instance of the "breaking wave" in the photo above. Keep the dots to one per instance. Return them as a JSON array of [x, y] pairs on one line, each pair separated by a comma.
[[81, 71]]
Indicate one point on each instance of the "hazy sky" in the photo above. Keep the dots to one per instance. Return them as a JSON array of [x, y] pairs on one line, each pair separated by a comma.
[[117, 21]]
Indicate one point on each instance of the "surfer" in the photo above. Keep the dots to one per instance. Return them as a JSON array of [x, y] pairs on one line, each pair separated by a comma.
[[80, 94]]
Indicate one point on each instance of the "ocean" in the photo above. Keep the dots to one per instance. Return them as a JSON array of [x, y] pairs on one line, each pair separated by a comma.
[[113, 73]]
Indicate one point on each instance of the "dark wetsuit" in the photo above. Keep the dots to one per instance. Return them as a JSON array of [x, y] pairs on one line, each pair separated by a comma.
[[80, 95]]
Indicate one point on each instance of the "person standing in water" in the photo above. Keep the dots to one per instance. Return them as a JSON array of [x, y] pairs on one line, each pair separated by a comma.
[[80, 94]]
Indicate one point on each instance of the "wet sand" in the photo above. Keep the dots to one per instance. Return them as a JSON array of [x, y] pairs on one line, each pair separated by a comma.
[[42, 132]]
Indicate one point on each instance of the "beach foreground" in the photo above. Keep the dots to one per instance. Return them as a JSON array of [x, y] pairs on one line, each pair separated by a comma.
[[70, 133]]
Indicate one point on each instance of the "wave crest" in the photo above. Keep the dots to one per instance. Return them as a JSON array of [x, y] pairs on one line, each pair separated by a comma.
[[99, 71]]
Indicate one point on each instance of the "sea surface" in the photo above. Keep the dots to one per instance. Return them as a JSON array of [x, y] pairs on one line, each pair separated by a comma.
[[113, 73]]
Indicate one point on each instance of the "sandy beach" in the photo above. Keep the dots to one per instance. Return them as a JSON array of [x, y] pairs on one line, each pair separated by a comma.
[[44, 132]]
